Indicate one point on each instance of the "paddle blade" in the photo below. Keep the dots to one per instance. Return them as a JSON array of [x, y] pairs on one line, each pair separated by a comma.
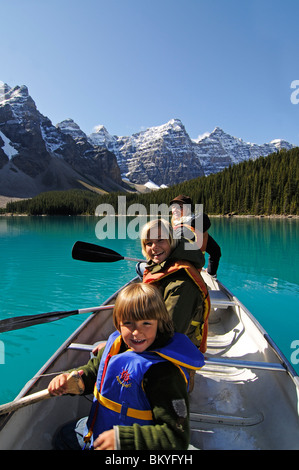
[[16, 323], [84, 251]]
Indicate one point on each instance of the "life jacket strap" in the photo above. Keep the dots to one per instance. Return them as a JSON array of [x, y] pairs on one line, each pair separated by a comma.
[[146, 415], [198, 330], [178, 363], [194, 274]]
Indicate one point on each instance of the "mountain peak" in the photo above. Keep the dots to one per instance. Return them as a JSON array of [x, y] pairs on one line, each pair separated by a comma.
[[99, 129], [101, 137], [175, 125], [4, 89], [68, 126], [218, 132], [176, 122], [280, 144], [18, 92]]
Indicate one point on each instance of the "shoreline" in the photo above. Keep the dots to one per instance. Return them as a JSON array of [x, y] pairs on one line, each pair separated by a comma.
[[5, 199], [224, 216], [249, 216]]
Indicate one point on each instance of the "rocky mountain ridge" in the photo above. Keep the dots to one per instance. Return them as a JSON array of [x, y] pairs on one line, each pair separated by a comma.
[[162, 154], [218, 150], [146, 154], [37, 156]]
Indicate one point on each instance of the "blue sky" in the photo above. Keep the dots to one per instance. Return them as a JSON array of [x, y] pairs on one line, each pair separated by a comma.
[[134, 64]]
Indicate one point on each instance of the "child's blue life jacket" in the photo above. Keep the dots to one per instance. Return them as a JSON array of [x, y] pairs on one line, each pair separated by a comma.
[[119, 398]]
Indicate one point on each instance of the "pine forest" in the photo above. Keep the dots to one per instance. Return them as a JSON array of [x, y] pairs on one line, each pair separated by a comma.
[[265, 186]]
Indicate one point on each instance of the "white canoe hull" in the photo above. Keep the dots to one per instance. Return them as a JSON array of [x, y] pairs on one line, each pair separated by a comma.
[[247, 398]]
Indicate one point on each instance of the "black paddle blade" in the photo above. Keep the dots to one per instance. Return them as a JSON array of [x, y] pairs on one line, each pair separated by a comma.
[[16, 323], [84, 251]]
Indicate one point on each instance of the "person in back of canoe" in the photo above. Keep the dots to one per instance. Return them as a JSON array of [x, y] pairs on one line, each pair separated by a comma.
[[139, 381], [174, 267], [196, 229]]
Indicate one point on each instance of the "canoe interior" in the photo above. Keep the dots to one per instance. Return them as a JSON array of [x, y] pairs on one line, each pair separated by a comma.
[[242, 408], [230, 407]]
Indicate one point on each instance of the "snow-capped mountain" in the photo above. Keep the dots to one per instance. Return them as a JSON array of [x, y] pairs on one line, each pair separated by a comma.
[[163, 154], [166, 154], [218, 150], [37, 156]]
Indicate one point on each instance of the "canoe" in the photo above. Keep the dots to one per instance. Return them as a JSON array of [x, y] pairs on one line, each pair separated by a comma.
[[245, 397]]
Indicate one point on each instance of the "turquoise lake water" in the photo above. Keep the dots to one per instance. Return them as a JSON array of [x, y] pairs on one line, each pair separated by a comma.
[[259, 265]]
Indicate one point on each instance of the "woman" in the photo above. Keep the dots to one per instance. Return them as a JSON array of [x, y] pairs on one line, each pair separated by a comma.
[[186, 224], [174, 265]]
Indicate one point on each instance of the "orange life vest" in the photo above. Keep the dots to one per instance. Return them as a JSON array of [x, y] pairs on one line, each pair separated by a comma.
[[201, 327]]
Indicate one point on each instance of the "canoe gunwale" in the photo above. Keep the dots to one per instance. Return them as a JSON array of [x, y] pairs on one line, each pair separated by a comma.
[[281, 357]]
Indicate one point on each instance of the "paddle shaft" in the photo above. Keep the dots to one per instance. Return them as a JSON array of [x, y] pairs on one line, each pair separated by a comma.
[[16, 323], [74, 385], [25, 401], [133, 259]]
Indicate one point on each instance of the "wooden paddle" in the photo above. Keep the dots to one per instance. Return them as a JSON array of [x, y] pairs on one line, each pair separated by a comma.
[[84, 251], [74, 385], [16, 323]]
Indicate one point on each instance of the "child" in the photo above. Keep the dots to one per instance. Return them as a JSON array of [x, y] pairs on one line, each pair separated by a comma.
[[175, 270], [141, 392]]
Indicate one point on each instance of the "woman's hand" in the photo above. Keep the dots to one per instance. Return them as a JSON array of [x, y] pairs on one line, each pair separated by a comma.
[[105, 441]]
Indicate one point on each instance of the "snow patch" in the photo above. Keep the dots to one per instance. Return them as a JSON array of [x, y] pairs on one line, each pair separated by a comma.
[[52, 142], [201, 137], [151, 185], [8, 148]]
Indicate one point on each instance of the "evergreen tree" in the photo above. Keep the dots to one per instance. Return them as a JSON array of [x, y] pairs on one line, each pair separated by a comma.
[[267, 185]]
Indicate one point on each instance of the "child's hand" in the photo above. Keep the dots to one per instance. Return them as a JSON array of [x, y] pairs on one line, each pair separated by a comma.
[[101, 345], [58, 385], [69, 382], [105, 441]]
